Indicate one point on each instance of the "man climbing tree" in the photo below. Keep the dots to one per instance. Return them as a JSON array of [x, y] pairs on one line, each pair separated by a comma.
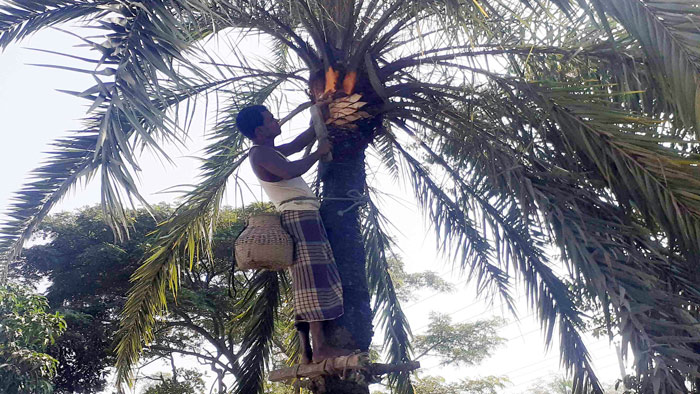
[[318, 294]]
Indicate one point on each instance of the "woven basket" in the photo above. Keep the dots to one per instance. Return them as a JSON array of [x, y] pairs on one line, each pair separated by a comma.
[[264, 244]]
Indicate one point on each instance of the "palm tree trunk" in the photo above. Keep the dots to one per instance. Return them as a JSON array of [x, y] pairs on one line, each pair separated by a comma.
[[343, 180]]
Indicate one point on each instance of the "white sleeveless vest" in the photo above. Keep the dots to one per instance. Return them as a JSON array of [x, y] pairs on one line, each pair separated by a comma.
[[291, 194]]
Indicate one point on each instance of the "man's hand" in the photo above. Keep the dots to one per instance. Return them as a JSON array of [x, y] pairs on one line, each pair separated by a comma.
[[324, 146]]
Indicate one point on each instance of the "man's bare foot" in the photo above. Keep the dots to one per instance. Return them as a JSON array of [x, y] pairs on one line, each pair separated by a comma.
[[327, 352]]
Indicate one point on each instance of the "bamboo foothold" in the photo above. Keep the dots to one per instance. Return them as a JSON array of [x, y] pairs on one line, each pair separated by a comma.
[[339, 366]]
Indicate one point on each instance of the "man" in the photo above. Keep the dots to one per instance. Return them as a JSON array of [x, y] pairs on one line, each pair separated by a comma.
[[318, 294]]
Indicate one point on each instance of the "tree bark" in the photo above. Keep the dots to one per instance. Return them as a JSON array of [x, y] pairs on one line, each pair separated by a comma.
[[343, 178]]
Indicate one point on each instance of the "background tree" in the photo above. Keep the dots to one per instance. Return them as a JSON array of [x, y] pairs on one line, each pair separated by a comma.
[[562, 385], [26, 330], [554, 385], [185, 381], [516, 127], [407, 284], [88, 275], [459, 344], [437, 385]]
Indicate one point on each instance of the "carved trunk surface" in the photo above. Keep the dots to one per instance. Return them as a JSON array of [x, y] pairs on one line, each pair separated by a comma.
[[343, 181]]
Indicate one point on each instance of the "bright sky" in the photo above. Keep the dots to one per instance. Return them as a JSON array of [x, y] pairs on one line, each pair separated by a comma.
[[33, 113]]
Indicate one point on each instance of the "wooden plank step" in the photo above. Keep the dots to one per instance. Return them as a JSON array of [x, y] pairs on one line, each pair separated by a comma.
[[339, 366]]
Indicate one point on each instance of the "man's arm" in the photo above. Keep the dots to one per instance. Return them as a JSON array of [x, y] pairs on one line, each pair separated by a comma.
[[298, 143], [271, 161]]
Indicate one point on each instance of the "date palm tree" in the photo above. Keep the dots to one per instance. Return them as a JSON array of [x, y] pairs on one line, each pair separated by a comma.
[[519, 125]]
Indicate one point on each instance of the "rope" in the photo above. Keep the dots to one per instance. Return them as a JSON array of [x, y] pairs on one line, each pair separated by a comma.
[[325, 367], [353, 195], [345, 368]]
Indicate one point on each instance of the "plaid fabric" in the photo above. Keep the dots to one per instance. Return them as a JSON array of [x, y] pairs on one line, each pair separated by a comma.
[[318, 293]]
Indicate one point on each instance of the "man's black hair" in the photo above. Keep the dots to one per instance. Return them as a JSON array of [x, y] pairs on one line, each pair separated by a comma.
[[249, 118]]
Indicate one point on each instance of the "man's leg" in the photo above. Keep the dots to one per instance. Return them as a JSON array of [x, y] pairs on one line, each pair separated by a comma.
[[322, 350], [318, 292], [304, 342]]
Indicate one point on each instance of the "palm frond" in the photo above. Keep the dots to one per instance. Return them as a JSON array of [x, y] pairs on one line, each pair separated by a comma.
[[640, 165], [19, 19], [511, 152], [668, 32], [652, 302], [397, 332], [654, 172], [520, 247], [290, 345], [276, 19], [386, 152], [456, 231], [68, 162], [186, 236], [144, 43], [130, 110], [260, 304], [647, 173], [125, 116], [71, 160]]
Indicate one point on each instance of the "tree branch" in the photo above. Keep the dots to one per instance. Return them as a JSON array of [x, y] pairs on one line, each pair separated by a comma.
[[211, 359]]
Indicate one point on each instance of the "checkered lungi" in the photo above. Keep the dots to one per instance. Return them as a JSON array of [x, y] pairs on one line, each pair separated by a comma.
[[318, 293]]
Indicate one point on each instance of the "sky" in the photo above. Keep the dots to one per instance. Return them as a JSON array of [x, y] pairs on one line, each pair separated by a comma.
[[33, 113]]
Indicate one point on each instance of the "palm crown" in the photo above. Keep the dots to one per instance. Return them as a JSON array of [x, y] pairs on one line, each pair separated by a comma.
[[553, 123]]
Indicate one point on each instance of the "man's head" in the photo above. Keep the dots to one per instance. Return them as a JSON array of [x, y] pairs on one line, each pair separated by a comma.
[[257, 123]]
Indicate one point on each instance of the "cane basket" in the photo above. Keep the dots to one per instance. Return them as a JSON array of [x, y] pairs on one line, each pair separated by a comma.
[[264, 244]]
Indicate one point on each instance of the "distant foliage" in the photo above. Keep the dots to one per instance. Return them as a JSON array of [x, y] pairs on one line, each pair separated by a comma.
[[460, 343], [26, 330], [555, 385], [88, 274], [437, 385], [188, 381], [407, 284]]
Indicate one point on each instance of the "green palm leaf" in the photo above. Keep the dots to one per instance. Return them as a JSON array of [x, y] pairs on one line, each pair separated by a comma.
[[67, 163], [186, 236], [123, 111], [397, 332], [635, 279], [546, 292], [183, 238], [456, 231], [71, 160], [19, 19], [668, 32], [595, 236], [260, 303], [641, 169]]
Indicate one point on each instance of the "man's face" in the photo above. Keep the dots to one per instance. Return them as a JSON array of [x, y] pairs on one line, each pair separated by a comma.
[[270, 127]]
